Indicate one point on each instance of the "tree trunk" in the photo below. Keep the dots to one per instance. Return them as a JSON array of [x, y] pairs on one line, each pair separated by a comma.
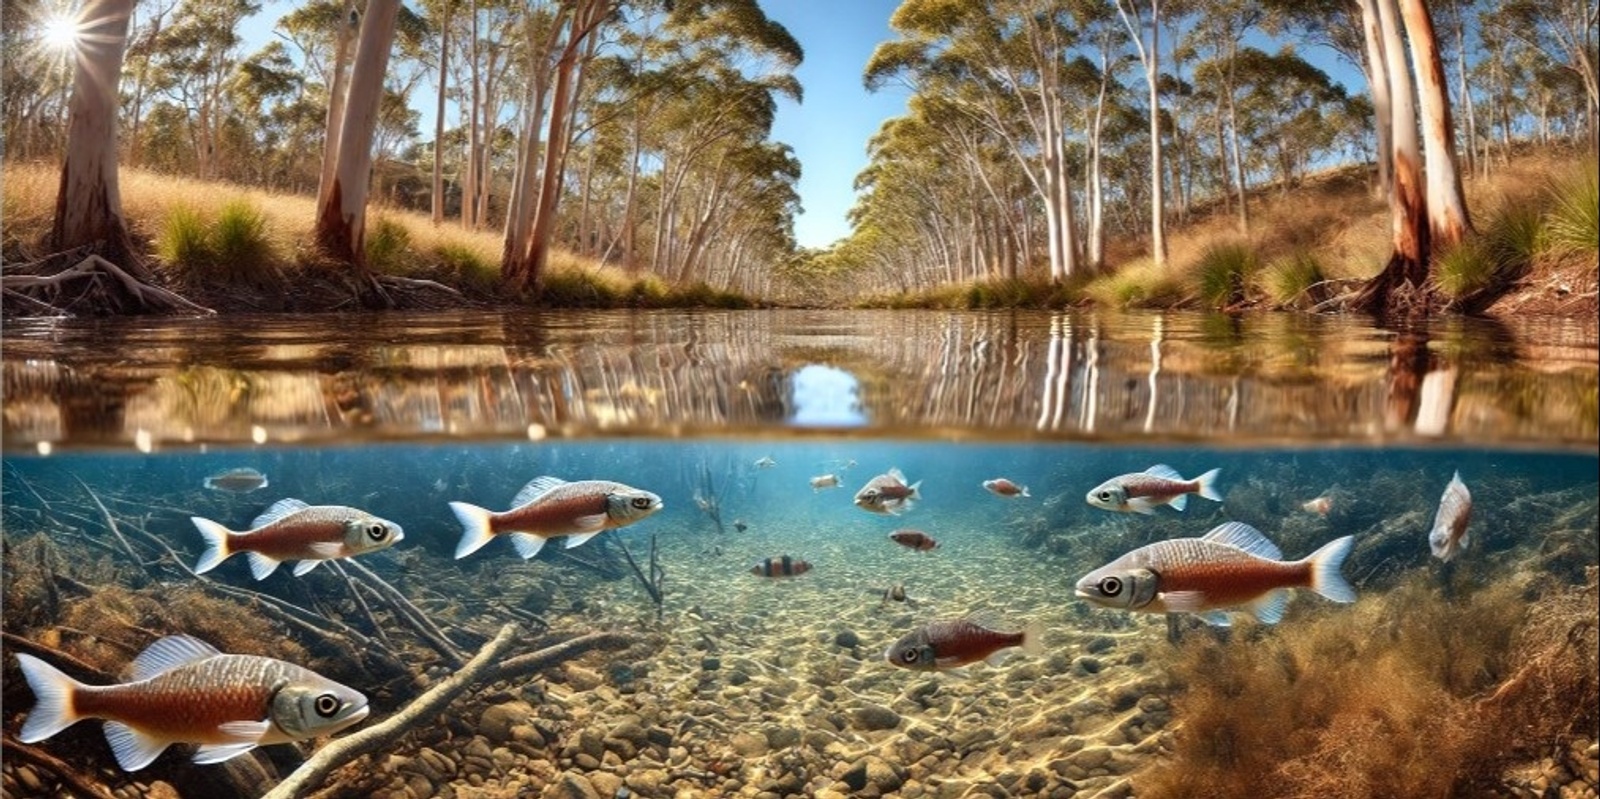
[[88, 202], [1378, 82], [336, 103], [1447, 207], [469, 179], [341, 216], [438, 118]]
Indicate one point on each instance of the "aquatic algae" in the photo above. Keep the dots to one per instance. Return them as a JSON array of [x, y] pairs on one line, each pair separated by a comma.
[[1392, 684]]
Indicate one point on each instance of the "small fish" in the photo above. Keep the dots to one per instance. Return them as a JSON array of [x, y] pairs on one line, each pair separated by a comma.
[[1449, 534], [1320, 506], [740, 525], [1002, 487], [822, 481], [894, 593], [953, 643], [914, 539], [242, 480], [765, 462], [548, 507], [292, 530], [1232, 567], [888, 493], [1141, 492], [184, 691], [781, 566]]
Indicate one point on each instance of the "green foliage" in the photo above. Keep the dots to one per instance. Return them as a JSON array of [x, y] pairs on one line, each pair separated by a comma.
[[234, 245], [239, 236], [1290, 279], [1466, 270], [388, 245], [1143, 285], [183, 241], [1222, 273], [465, 265], [1573, 223]]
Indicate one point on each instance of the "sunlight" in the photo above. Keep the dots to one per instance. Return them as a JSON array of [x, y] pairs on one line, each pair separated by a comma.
[[60, 32]]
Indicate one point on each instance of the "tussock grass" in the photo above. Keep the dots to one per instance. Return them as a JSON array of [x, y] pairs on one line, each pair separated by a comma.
[[1572, 225], [388, 246], [1223, 271], [1289, 281], [230, 243], [1139, 284]]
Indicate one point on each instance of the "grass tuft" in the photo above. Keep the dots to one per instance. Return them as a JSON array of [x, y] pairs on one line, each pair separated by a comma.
[[239, 238], [1139, 284], [184, 239], [1572, 225], [388, 245], [1289, 281], [1223, 271]]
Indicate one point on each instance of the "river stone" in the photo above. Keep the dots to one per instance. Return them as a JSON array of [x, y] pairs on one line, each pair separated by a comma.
[[162, 790], [605, 783], [497, 720], [875, 717], [749, 744], [874, 771], [847, 639], [783, 737], [582, 679], [570, 786]]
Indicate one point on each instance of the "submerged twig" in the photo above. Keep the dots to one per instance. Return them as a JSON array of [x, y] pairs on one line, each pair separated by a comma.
[[651, 587], [111, 523], [412, 615], [366, 610], [534, 661], [378, 736], [32, 647]]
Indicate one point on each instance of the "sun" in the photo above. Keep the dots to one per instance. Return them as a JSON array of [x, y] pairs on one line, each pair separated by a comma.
[[59, 32]]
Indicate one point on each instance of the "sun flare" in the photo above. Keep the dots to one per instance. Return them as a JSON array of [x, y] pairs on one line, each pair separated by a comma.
[[60, 32]]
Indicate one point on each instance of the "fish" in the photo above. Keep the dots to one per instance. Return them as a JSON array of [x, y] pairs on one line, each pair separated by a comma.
[[242, 480], [888, 493], [894, 593], [822, 481], [953, 643], [914, 539], [1320, 506], [548, 507], [1141, 492], [1002, 487], [185, 691], [1231, 567], [1449, 535], [765, 462], [740, 525], [292, 530], [781, 566]]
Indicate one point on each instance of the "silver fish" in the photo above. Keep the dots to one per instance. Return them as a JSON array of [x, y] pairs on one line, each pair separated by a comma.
[[765, 462], [1142, 492], [822, 481], [242, 480], [293, 530], [184, 691], [888, 493], [1449, 535], [548, 507]]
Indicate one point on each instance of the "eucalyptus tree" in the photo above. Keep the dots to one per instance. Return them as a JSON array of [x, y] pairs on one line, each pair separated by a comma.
[[341, 215], [1002, 63], [1565, 32], [37, 60], [1133, 16], [1216, 39], [197, 56]]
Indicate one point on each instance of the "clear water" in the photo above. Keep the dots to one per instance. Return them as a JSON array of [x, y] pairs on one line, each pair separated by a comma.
[[756, 686]]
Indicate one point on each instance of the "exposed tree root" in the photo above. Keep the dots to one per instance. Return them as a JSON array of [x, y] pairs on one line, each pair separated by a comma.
[[91, 284], [79, 783]]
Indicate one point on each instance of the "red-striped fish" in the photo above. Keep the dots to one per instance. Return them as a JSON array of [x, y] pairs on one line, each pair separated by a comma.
[[293, 530], [914, 539], [185, 691], [548, 507], [1449, 535], [1002, 487], [781, 566], [953, 643], [1142, 492], [1233, 567]]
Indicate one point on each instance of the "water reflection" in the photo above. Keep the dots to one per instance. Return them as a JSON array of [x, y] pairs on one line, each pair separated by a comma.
[[1125, 376]]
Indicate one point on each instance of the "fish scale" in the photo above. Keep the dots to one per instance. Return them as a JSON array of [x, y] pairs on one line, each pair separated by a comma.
[[189, 702]]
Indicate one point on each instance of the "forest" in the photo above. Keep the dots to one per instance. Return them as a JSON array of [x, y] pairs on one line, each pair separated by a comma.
[[1052, 140]]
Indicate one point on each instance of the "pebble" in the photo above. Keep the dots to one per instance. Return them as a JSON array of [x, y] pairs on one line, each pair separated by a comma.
[[749, 744], [874, 717], [710, 663], [570, 786], [30, 780], [847, 639]]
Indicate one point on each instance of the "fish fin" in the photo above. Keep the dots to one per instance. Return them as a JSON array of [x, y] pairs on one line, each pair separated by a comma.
[[169, 653], [1179, 502], [54, 711], [1216, 618], [1269, 608], [1141, 505], [1033, 638], [477, 528], [594, 522], [1165, 472], [244, 732], [278, 510], [262, 566], [1325, 577], [217, 550], [579, 538], [304, 566], [216, 753], [915, 494], [1245, 538], [998, 657], [537, 487], [894, 471], [327, 550], [1025, 492], [527, 544], [134, 749], [1184, 601], [1206, 485]]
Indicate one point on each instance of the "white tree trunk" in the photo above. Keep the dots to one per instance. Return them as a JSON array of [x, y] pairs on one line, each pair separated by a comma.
[[88, 203], [1447, 207], [341, 216], [336, 98]]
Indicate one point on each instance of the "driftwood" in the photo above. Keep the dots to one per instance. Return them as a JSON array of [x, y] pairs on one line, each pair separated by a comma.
[[60, 768], [69, 663], [372, 739], [361, 602], [535, 661], [410, 614]]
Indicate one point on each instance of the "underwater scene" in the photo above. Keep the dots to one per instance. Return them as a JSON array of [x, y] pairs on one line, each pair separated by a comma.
[[819, 616]]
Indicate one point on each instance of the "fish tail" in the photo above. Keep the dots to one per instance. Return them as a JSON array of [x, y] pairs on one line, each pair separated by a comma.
[[1033, 638], [1325, 577], [1025, 492], [1205, 485], [55, 691], [217, 549], [477, 529], [914, 493]]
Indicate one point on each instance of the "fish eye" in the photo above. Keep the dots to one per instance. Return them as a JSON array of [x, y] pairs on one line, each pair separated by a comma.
[[909, 656], [1104, 495], [1111, 586], [327, 705], [641, 503], [377, 532]]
